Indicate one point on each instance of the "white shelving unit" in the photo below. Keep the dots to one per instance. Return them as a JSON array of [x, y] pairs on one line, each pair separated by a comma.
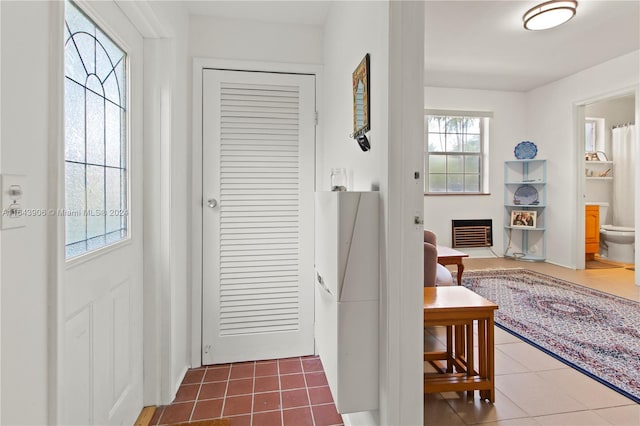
[[525, 243], [347, 296], [598, 170]]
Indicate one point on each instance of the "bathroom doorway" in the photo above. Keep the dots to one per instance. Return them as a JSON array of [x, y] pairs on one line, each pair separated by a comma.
[[607, 140]]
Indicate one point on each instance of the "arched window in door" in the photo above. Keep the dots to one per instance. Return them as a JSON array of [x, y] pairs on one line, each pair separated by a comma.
[[95, 136]]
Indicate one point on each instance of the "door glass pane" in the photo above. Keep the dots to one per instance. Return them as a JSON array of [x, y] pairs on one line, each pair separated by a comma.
[[95, 201], [76, 227], [111, 90], [95, 120], [73, 67], [112, 134], [113, 200], [74, 122], [86, 49], [95, 136]]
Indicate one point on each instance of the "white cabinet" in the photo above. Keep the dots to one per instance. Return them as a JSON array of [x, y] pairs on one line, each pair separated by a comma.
[[347, 295], [525, 194]]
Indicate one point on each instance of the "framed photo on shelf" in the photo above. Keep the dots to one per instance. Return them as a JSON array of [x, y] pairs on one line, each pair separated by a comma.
[[523, 219]]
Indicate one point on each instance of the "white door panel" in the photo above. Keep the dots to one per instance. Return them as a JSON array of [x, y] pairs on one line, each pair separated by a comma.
[[101, 294], [76, 387], [258, 166]]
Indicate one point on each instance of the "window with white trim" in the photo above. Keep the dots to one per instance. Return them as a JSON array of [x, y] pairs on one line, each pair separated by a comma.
[[456, 151], [95, 141]]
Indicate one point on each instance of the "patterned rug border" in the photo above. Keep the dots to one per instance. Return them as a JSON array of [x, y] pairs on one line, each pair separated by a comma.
[[551, 278], [489, 272]]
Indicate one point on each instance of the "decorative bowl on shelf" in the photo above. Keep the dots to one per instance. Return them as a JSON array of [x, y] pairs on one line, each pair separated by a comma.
[[525, 150], [526, 194]]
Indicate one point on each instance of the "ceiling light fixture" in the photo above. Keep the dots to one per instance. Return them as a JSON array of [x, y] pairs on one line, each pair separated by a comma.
[[549, 14]]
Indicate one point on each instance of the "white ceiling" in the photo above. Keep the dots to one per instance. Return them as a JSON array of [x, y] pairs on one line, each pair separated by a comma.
[[481, 44]]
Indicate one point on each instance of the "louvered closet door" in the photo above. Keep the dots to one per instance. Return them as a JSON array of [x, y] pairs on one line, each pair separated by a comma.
[[258, 164]]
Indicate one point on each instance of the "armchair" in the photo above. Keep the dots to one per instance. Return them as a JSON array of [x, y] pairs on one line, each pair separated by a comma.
[[435, 274]]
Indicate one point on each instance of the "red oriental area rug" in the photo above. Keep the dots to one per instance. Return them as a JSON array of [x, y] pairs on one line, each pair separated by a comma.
[[594, 332]]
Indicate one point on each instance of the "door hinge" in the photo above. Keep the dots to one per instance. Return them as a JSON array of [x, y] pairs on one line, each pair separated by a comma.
[[316, 118]]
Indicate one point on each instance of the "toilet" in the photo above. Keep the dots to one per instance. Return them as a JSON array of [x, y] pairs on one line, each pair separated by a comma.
[[617, 243]]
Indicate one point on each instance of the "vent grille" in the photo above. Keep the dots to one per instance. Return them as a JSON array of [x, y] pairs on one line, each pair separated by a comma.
[[259, 209], [472, 233]]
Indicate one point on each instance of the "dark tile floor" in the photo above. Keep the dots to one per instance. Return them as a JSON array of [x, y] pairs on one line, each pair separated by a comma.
[[291, 391]]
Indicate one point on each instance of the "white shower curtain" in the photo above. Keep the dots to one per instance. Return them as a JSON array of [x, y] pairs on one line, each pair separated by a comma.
[[623, 150]]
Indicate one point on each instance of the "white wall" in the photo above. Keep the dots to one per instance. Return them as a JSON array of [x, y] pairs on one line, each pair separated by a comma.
[[180, 184], [167, 189], [0, 234], [551, 125], [24, 110], [507, 128], [364, 169], [341, 58], [353, 29], [252, 40]]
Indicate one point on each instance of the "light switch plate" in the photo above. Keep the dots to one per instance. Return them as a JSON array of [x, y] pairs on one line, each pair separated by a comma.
[[13, 201]]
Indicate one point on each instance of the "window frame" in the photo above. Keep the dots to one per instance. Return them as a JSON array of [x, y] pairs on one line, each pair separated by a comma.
[[124, 163], [483, 154]]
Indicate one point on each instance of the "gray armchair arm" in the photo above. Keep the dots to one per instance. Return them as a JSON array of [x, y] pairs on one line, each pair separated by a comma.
[[430, 264]]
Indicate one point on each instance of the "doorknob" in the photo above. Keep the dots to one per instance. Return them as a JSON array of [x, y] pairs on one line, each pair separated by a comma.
[[211, 202]]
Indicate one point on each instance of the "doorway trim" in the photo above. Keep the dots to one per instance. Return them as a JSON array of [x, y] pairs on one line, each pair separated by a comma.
[[579, 116], [199, 64]]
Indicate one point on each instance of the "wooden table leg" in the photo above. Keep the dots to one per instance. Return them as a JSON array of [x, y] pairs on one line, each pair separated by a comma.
[[460, 271], [449, 349], [470, 362], [459, 352], [482, 352], [491, 393]]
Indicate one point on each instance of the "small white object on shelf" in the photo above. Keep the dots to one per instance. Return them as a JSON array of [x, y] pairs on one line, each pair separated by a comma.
[[338, 179]]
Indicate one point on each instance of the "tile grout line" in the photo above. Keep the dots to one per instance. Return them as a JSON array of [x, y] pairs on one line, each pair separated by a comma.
[[252, 392], [306, 387], [160, 417], [226, 389], [195, 401], [280, 392]]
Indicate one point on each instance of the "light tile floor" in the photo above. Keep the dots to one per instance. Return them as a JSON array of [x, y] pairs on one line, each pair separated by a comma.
[[532, 388]]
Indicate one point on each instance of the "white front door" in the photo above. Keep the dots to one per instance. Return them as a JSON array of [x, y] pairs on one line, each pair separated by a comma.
[[100, 283], [258, 183]]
